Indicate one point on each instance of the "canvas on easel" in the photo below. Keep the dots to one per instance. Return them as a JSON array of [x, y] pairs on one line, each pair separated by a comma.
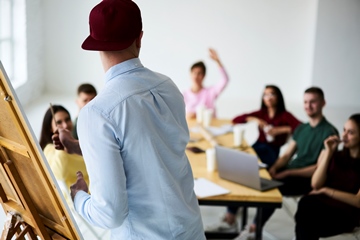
[[29, 193]]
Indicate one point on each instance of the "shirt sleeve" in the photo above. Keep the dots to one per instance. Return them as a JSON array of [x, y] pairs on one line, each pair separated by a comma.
[[107, 206], [242, 118], [219, 86]]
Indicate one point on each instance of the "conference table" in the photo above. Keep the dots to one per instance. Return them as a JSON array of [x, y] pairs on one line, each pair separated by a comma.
[[240, 196]]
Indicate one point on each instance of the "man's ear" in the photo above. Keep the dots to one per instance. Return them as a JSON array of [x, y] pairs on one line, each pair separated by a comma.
[[138, 40]]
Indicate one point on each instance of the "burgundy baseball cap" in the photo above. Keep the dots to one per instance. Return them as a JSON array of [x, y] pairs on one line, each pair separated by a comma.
[[114, 25]]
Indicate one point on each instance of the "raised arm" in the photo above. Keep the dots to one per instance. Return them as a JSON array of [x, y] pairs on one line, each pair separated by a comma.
[[220, 85], [214, 56], [319, 177]]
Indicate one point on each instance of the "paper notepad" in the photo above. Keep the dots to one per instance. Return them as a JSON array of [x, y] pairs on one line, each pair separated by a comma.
[[205, 188]]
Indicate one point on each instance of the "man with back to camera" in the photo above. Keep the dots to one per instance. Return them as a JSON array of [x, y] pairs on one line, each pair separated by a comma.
[[133, 137]]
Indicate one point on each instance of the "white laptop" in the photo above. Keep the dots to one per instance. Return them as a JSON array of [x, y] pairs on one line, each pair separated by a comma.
[[242, 168]]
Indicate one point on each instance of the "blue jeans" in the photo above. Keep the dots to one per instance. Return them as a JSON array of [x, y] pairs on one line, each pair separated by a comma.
[[266, 152]]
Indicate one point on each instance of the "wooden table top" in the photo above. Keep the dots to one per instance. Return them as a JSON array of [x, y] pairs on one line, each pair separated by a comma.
[[237, 192]]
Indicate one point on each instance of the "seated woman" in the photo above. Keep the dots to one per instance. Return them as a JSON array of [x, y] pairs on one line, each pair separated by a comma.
[[275, 124], [63, 164], [281, 124], [199, 96], [333, 207]]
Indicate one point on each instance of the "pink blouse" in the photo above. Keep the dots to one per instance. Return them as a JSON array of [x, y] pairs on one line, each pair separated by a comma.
[[206, 96]]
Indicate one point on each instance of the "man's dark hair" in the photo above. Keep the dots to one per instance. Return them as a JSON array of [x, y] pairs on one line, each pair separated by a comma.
[[86, 88], [199, 65], [316, 90]]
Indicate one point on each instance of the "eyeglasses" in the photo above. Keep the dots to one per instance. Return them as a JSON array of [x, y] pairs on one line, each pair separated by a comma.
[[269, 95]]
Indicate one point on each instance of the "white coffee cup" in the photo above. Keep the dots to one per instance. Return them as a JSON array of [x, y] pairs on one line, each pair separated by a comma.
[[238, 134], [210, 159], [207, 117], [199, 113], [267, 128]]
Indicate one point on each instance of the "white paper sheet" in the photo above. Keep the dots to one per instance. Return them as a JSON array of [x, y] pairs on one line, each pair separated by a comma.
[[205, 188]]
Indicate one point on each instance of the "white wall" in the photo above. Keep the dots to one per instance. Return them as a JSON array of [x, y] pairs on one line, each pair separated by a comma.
[[259, 42], [66, 65], [337, 52], [337, 58], [35, 85], [293, 44]]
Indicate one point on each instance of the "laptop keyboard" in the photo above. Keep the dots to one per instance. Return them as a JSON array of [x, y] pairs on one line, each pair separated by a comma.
[[264, 184]]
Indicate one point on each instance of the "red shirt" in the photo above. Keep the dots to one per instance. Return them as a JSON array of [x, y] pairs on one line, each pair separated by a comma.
[[280, 119]]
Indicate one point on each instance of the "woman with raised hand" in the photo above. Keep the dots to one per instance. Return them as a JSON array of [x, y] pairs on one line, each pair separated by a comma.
[[198, 95], [333, 207]]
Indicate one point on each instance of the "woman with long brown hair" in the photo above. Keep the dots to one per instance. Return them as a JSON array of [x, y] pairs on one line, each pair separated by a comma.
[[333, 207], [63, 164]]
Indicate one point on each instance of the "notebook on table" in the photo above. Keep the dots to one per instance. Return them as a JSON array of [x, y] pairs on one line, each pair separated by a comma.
[[242, 168]]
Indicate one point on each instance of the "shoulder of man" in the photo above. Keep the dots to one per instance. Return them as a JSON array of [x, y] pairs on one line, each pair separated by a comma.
[[329, 128], [300, 128]]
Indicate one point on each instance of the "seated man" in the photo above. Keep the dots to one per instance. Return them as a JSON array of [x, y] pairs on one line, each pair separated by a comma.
[[296, 166], [85, 93]]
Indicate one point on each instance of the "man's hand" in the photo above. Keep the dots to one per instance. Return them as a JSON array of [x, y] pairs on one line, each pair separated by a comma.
[[80, 185], [63, 140], [282, 174], [272, 171]]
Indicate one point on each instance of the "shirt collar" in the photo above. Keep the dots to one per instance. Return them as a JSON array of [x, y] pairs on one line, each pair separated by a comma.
[[322, 122], [122, 67]]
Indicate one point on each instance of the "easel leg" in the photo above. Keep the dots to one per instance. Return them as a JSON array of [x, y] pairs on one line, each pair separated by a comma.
[[12, 228], [9, 227]]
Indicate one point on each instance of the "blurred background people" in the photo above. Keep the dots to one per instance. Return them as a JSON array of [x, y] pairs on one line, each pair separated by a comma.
[[85, 93], [276, 124]]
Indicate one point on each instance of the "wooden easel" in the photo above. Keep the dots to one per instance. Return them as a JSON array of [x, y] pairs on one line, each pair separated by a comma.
[[12, 227], [29, 193], [15, 226]]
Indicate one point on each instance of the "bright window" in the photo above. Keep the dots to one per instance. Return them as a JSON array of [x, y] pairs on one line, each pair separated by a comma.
[[13, 40]]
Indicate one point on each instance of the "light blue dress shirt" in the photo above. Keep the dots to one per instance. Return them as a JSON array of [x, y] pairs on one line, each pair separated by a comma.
[[133, 137]]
